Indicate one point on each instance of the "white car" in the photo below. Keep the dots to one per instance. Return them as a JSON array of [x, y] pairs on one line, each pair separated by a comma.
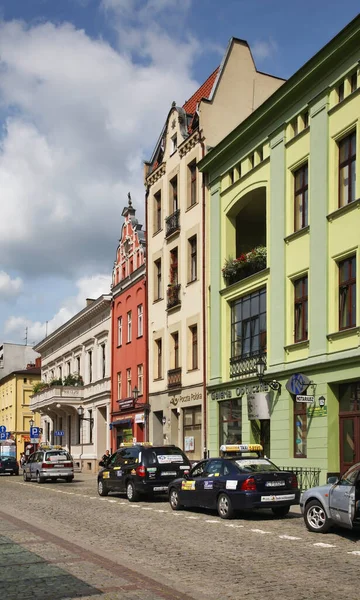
[[49, 463], [336, 503]]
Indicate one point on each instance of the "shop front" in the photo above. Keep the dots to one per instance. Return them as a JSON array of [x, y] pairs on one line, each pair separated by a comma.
[[129, 423], [177, 418]]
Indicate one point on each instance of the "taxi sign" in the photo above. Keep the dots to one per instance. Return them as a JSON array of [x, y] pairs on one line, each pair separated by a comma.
[[131, 444], [241, 448]]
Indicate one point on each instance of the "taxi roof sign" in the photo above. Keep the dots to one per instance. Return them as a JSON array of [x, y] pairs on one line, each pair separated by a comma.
[[131, 444], [241, 448]]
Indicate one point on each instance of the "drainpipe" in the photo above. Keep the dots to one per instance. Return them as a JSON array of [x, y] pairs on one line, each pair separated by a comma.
[[147, 337], [204, 296], [109, 436]]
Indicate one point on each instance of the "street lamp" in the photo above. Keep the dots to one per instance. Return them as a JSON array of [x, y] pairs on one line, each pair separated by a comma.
[[31, 423], [80, 411], [135, 394], [260, 370]]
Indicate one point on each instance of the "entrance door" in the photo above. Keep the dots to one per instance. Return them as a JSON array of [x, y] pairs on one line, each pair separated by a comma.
[[349, 442]]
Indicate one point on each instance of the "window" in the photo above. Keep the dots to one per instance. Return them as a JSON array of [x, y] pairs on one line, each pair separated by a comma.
[[248, 325], [252, 161], [173, 195], [260, 155], [294, 125], [90, 365], [192, 258], [353, 82], [78, 364], [192, 171], [158, 283], [192, 431], [119, 386], [306, 119], [300, 430], [347, 293], [301, 197], [230, 413], [347, 169], [140, 320], [158, 359], [301, 309], [128, 383], [157, 211], [129, 326], [140, 379], [173, 144], [119, 331], [340, 92], [194, 347], [231, 176], [60, 372], [68, 367], [103, 361], [175, 344], [174, 273]]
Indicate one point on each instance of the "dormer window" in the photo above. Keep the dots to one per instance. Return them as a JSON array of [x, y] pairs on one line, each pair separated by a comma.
[[173, 144]]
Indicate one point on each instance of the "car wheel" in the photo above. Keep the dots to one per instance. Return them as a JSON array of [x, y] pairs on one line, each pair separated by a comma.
[[131, 492], [316, 518], [102, 489], [174, 499], [17, 473], [281, 511], [39, 479], [224, 507]]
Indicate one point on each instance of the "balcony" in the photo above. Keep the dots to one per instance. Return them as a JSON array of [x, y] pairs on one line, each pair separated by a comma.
[[174, 378], [242, 366], [173, 295], [65, 395], [172, 223], [236, 269], [98, 389]]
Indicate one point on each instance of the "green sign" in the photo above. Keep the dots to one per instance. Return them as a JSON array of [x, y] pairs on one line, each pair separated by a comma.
[[317, 411]]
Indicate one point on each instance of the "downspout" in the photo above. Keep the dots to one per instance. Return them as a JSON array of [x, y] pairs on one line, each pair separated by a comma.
[[15, 417], [112, 377], [204, 296], [147, 337]]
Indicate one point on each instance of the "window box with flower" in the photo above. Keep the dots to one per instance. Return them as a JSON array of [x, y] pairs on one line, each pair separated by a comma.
[[246, 264]]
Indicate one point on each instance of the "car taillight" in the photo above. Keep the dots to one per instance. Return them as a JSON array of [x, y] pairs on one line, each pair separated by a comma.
[[249, 485], [47, 465], [68, 464], [141, 471], [293, 481]]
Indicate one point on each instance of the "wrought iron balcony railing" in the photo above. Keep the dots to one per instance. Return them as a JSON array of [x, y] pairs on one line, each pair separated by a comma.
[[172, 223], [246, 364], [174, 378], [173, 295]]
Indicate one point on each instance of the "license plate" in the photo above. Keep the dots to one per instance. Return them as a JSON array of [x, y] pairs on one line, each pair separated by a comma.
[[169, 473], [59, 466], [277, 498], [274, 483], [160, 488], [9, 470]]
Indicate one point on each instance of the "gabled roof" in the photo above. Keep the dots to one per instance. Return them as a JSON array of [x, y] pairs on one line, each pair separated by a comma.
[[203, 91]]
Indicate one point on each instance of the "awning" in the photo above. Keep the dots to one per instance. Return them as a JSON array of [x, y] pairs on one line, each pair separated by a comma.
[[120, 422]]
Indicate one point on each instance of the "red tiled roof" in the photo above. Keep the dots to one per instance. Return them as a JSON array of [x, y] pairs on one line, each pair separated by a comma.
[[204, 91]]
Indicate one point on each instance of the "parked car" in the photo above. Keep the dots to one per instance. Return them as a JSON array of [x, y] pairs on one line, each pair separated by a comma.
[[241, 479], [49, 462], [9, 464], [336, 503], [139, 469]]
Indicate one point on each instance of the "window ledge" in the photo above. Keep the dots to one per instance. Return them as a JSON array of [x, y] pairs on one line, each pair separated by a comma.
[[297, 345], [296, 234], [192, 206], [343, 209], [191, 282], [156, 232], [157, 300], [158, 379], [343, 333], [296, 137]]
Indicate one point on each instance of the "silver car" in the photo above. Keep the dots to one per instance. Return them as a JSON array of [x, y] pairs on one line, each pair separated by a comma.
[[50, 463], [336, 503]]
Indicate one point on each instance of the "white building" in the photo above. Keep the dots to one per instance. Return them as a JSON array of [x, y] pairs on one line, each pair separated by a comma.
[[75, 366]]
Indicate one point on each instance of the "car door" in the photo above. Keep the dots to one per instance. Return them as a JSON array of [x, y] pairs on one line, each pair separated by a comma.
[[211, 482], [33, 464], [190, 486], [342, 498], [113, 473]]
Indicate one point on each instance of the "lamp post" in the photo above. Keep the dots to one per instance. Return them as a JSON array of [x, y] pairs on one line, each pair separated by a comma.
[[260, 370], [135, 394], [80, 412]]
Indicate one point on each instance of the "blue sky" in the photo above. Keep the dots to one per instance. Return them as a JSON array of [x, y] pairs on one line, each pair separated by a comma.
[[85, 86]]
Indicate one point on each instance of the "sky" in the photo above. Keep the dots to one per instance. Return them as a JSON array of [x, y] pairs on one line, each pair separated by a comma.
[[85, 87]]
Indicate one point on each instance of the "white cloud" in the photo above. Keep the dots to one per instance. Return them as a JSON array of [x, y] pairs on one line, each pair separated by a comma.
[[263, 49], [88, 287], [9, 287]]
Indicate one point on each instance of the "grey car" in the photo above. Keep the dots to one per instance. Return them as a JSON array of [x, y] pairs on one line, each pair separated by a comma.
[[50, 463], [336, 503]]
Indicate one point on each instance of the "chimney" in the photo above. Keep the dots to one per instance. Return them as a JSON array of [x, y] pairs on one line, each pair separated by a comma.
[[38, 362]]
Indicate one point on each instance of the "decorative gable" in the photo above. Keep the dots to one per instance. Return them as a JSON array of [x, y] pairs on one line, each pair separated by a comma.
[[130, 253]]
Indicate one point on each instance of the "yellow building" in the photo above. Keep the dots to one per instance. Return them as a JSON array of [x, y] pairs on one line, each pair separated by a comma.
[[15, 414]]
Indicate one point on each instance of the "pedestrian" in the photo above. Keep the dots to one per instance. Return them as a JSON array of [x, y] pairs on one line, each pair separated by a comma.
[[22, 460], [106, 457]]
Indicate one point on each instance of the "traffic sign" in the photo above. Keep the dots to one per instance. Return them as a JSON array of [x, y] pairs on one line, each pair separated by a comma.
[[2, 429], [34, 440], [3, 436], [34, 432], [59, 433], [308, 399]]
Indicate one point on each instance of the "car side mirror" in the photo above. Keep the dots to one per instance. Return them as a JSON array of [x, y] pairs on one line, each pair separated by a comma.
[[332, 480], [101, 463]]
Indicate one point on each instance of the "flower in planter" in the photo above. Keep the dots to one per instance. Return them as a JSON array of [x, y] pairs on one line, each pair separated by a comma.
[[247, 263]]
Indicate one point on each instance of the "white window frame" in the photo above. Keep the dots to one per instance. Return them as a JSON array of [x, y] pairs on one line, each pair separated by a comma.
[[119, 331], [140, 311], [129, 326]]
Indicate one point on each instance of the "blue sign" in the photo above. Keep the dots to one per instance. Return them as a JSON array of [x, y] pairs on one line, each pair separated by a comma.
[[2, 429], [59, 433], [297, 384], [3, 436], [34, 432]]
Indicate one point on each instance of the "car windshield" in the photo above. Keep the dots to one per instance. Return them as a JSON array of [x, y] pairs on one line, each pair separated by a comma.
[[57, 455], [163, 456], [7, 459], [254, 465]]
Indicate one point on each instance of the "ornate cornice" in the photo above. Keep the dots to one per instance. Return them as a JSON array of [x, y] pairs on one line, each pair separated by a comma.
[[189, 144], [157, 174]]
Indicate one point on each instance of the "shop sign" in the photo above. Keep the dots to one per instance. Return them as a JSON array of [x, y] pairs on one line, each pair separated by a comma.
[[317, 411], [126, 404], [189, 444], [308, 399], [258, 406], [175, 400], [239, 391], [139, 418], [297, 383]]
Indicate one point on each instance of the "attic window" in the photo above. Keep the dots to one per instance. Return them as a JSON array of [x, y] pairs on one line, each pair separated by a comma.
[[173, 144]]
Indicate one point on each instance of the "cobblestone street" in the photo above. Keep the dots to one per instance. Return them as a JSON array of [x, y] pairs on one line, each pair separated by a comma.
[[63, 541]]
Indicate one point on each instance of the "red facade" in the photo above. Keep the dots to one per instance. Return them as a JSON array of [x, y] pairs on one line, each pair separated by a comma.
[[129, 399]]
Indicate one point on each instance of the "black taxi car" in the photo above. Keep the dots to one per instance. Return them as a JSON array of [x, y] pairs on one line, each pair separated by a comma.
[[240, 479], [142, 469]]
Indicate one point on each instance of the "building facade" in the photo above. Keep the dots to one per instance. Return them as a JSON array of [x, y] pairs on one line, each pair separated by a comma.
[[14, 357], [15, 412], [176, 210], [284, 262], [129, 399], [74, 402]]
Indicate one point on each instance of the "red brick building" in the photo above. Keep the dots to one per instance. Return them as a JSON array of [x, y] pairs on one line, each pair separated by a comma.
[[129, 394]]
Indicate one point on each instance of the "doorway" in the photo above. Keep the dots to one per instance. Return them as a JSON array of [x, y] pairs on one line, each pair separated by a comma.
[[349, 424]]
